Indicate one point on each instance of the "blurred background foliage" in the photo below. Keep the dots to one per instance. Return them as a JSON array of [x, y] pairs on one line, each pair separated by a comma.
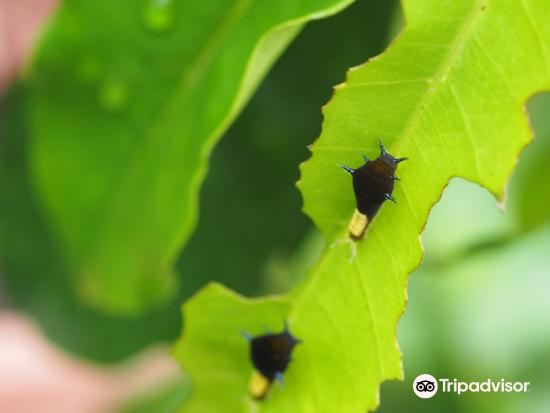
[[478, 306]]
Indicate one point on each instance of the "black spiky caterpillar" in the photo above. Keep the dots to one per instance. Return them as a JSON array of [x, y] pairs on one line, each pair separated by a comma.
[[372, 184], [270, 354]]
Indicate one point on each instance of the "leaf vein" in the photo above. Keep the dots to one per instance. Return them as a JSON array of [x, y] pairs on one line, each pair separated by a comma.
[[538, 36], [469, 132]]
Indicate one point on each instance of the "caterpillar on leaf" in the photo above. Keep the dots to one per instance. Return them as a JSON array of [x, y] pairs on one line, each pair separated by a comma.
[[270, 354], [373, 184]]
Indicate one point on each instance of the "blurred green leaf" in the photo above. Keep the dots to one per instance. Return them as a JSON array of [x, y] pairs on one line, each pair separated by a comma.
[[448, 94], [123, 116], [34, 276]]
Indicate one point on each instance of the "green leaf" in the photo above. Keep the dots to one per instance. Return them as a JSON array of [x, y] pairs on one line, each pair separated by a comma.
[[35, 279], [449, 95], [123, 115]]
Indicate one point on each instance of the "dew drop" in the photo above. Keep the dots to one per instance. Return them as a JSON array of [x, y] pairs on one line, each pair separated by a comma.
[[159, 15], [113, 95]]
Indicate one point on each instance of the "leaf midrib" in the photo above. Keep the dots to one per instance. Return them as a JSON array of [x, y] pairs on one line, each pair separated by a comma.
[[442, 73]]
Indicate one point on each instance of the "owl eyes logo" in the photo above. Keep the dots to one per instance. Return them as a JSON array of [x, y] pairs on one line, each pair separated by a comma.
[[425, 386]]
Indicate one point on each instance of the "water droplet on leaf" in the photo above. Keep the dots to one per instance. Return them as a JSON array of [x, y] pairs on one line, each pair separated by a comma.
[[159, 15], [113, 95]]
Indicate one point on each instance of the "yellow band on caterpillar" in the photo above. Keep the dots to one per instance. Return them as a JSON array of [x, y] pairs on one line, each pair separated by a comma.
[[259, 385], [358, 225]]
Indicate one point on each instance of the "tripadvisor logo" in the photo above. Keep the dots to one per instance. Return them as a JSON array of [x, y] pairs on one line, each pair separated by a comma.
[[426, 386]]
